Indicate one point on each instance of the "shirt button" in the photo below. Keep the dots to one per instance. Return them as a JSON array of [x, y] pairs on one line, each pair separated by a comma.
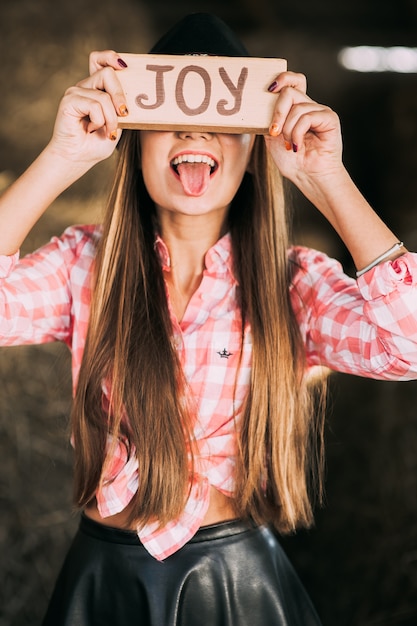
[[177, 342]]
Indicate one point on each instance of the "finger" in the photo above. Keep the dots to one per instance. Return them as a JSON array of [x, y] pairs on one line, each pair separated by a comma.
[[287, 98], [304, 119], [105, 58], [106, 80], [94, 107], [289, 79]]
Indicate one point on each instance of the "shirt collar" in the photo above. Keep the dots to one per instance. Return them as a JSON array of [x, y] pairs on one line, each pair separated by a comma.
[[218, 259]]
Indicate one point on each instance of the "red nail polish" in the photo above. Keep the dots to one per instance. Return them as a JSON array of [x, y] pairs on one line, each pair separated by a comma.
[[294, 147], [272, 86], [121, 63]]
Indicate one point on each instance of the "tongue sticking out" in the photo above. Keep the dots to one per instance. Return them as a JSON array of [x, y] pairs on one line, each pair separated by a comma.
[[194, 177]]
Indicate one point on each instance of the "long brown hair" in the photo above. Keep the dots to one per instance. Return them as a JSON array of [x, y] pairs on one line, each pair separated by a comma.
[[129, 345]]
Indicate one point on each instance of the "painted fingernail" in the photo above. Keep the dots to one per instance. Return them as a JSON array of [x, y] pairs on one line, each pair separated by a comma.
[[288, 146], [274, 130], [272, 86], [113, 135], [123, 110], [121, 63], [294, 147]]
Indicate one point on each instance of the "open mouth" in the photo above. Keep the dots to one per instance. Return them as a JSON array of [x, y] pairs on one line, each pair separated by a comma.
[[194, 172], [194, 158]]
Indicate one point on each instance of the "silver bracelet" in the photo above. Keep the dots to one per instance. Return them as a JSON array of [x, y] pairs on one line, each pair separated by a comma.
[[380, 258]]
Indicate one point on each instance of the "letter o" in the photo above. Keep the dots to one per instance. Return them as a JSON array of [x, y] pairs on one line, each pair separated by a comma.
[[179, 90]]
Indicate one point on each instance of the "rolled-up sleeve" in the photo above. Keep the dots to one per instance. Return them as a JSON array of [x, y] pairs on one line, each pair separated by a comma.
[[7, 263], [366, 327], [37, 291]]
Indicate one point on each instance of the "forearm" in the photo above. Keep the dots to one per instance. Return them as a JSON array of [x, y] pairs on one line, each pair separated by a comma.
[[24, 202], [85, 133], [363, 232], [306, 144]]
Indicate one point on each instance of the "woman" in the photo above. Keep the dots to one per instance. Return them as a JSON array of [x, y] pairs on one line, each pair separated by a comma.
[[195, 329]]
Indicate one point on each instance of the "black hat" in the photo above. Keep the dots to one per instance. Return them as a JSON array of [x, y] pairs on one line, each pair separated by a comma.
[[200, 33]]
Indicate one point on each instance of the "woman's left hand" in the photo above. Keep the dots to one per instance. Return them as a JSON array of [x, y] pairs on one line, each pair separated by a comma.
[[304, 138], [306, 145]]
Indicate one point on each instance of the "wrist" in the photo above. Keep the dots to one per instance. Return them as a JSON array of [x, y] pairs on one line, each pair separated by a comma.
[[70, 167], [391, 254], [323, 188]]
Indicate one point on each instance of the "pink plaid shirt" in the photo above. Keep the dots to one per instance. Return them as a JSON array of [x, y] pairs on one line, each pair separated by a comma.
[[366, 327]]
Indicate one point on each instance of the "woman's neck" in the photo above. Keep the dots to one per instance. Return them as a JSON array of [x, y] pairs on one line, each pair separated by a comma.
[[188, 239]]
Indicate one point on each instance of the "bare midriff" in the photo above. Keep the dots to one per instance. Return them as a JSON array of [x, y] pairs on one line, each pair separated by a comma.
[[220, 509]]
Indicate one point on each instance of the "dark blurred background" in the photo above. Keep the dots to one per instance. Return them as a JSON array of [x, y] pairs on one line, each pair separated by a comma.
[[359, 562]]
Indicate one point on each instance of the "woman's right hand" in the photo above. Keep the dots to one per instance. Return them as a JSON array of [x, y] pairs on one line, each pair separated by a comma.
[[85, 133], [85, 130]]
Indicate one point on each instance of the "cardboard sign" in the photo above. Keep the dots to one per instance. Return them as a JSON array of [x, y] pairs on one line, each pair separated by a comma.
[[222, 94]]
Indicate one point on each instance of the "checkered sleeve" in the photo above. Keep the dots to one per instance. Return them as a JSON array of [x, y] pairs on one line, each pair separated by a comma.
[[36, 292], [366, 327]]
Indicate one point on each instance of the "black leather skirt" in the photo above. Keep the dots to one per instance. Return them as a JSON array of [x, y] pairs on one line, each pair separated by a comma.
[[229, 574]]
